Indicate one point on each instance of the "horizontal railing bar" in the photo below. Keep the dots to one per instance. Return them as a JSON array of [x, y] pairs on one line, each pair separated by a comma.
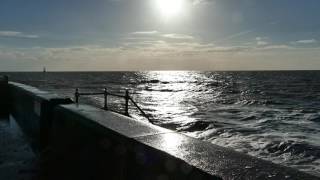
[[102, 93], [116, 95], [87, 94]]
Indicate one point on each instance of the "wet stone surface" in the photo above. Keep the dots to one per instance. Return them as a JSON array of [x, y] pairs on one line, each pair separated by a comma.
[[17, 161], [220, 161]]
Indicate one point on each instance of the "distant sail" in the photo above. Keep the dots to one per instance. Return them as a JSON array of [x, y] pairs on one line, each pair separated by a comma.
[[44, 69]]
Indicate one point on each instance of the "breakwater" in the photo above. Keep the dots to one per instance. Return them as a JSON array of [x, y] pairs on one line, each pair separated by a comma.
[[84, 142]]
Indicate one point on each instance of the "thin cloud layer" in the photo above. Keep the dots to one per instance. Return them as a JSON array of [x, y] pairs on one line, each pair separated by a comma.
[[145, 33], [306, 41], [187, 56], [16, 34], [262, 41], [178, 36]]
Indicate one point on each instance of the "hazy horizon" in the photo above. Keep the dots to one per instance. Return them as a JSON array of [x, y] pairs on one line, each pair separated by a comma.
[[141, 35]]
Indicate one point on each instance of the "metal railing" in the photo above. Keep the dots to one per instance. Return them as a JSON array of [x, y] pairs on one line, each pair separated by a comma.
[[105, 93]]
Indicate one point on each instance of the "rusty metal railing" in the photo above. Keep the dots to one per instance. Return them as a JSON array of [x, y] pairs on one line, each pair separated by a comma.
[[105, 93]]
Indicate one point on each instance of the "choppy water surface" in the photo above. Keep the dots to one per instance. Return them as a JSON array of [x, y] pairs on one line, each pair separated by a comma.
[[270, 115]]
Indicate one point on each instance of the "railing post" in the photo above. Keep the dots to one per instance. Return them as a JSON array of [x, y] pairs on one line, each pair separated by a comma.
[[105, 93], [127, 103], [76, 95]]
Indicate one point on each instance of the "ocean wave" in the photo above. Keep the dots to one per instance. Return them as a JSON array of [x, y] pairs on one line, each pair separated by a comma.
[[301, 149]]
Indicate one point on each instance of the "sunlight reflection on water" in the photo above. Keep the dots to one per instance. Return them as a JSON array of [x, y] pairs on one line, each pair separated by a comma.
[[170, 97]]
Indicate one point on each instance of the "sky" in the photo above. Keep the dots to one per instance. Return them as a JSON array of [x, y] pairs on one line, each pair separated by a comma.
[[118, 35]]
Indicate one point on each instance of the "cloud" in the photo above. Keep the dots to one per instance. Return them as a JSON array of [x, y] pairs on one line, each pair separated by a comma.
[[155, 55], [178, 36], [143, 36], [153, 50], [261, 41], [186, 48], [16, 34], [236, 35], [173, 44], [276, 47], [197, 2], [246, 32], [261, 38], [145, 33], [306, 41]]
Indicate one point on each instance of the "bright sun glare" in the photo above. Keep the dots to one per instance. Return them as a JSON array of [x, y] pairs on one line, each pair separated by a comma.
[[170, 8]]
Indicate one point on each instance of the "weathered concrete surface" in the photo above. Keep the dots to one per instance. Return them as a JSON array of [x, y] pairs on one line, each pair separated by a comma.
[[32, 109], [17, 161]]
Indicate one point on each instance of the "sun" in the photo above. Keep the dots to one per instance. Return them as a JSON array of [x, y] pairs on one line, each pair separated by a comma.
[[170, 8]]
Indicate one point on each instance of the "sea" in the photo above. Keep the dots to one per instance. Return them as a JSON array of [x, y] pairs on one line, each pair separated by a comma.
[[273, 115]]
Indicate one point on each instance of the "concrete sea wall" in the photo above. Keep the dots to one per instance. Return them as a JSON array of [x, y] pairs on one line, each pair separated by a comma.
[[33, 110], [84, 142]]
